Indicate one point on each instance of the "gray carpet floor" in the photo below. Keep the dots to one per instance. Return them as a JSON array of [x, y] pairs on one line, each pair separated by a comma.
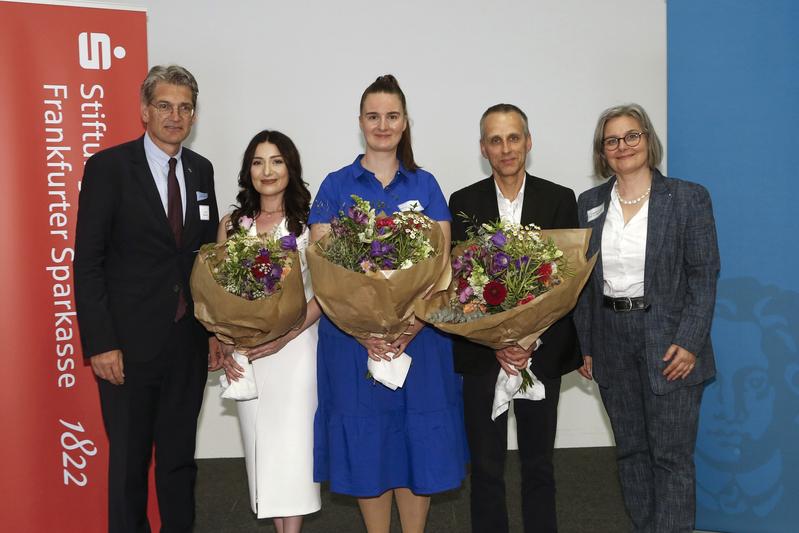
[[588, 499]]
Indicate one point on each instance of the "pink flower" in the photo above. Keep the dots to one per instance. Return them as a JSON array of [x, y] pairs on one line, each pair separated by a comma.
[[245, 222]]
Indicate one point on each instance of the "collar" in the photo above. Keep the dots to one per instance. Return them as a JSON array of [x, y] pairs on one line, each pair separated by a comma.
[[156, 155], [359, 172], [519, 195]]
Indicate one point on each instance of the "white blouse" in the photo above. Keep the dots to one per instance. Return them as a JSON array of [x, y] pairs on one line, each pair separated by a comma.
[[624, 250]]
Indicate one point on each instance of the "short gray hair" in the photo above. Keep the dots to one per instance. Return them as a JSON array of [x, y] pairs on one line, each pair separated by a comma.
[[173, 74], [635, 111], [503, 108]]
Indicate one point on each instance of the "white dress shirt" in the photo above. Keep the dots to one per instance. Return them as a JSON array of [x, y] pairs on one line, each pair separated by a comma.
[[158, 160], [510, 210], [624, 250]]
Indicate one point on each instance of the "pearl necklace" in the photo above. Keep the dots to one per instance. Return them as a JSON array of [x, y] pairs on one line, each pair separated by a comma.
[[632, 202]]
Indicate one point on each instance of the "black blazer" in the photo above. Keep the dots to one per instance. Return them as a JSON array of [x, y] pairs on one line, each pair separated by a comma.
[[549, 206], [128, 268]]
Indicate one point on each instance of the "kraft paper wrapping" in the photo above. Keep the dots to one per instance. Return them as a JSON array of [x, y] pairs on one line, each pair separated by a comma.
[[524, 324], [246, 323], [371, 304]]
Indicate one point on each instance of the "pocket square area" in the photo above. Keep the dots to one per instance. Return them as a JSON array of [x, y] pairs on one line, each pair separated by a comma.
[[202, 196]]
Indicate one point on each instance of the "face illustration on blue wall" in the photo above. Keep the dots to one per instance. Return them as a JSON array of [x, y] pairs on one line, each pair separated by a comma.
[[738, 407], [746, 454]]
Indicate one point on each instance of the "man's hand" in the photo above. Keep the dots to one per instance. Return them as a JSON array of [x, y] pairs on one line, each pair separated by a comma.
[[215, 354], [109, 366], [514, 358]]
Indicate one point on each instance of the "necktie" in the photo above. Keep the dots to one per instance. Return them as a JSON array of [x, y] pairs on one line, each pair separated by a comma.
[[174, 202], [175, 216]]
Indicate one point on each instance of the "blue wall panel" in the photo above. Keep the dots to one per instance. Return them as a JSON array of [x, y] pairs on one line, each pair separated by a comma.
[[733, 96]]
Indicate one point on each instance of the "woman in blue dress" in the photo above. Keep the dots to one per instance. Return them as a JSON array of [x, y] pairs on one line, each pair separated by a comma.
[[372, 442]]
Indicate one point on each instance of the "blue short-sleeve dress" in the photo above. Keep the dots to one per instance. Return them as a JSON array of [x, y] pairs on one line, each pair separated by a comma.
[[367, 438]]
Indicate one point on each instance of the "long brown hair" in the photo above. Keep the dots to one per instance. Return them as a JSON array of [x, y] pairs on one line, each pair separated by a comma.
[[388, 84], [297, 197]]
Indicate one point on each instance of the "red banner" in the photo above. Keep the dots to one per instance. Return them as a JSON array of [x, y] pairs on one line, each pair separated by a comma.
[[69, 88]]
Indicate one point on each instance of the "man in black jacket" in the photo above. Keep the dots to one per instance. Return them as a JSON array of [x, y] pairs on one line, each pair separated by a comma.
[[514, 196], [145, 208]]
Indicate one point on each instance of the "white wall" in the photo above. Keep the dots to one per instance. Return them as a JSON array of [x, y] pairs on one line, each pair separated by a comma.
[[300, 67]]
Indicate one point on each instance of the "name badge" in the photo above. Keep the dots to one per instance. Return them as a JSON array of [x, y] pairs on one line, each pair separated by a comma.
[[411, 205], [593, 213], [205, 212]]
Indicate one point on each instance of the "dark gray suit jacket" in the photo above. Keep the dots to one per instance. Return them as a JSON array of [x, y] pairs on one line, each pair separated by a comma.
[[128, 268], [680, 274]]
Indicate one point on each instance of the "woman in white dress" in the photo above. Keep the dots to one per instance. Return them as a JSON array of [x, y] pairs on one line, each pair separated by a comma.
[[277, 427]]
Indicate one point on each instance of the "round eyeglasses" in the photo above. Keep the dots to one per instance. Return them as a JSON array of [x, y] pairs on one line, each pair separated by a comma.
[[166, 108], [630, 139]]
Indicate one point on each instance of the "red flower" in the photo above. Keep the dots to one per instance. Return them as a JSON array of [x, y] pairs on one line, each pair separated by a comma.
[[494, 293], [526, 300], [258, 272], [545, 271], [386, 222], [462, 283]]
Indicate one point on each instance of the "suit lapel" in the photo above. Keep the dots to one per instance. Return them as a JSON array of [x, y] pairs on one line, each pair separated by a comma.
[[488, 210], [597, 225], [531, 203], [142, 173], [190, 178], [660, 206]]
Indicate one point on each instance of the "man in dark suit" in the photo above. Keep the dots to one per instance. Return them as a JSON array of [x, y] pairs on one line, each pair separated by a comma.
[[145, 208], [513, 195]]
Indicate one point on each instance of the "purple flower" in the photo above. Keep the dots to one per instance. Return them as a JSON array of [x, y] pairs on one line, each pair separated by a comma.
[[357, 216], [276, 271], [289, 242], [388, 264], [263, 252], [465, 294], [380, 248], [499, 239], [500, 262], [457, 264], [519, 263]]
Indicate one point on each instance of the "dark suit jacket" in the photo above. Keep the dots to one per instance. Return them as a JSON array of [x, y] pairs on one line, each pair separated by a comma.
[[680, 273], [549, 206], [128, 268]]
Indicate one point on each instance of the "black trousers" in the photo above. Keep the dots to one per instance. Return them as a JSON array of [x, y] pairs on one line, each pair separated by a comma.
[[157, 405], [536, 423]]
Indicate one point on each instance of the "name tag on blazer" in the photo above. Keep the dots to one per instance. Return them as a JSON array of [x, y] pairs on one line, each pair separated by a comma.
[[595, 212], [205, 212]]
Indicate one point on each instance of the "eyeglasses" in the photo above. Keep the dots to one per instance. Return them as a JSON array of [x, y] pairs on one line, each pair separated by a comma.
[[630, 139], [165, 109]]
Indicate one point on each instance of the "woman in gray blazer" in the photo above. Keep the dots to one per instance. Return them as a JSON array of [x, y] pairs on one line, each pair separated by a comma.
[[644, 317]]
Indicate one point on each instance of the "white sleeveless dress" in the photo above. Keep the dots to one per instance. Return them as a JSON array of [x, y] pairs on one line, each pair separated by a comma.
[[277, 427]]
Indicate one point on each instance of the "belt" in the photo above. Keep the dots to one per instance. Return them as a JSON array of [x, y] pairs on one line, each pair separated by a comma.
[[625, 305]]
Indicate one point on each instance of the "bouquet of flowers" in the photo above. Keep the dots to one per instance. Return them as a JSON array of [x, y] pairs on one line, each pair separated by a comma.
[[248, 290], [509, 284], [368, 271]]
